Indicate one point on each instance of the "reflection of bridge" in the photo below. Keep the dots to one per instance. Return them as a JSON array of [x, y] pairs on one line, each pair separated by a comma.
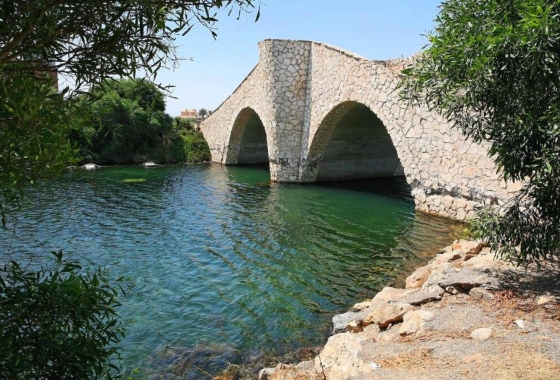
[[318, 113]]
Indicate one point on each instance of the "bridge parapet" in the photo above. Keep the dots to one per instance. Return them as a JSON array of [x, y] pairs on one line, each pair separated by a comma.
[[309, 98]]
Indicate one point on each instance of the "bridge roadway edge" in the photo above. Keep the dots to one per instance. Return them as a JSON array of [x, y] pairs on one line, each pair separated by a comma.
[[297, 84]]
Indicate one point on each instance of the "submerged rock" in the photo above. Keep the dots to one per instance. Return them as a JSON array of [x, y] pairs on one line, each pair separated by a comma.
[[150, 164], [90, 166]]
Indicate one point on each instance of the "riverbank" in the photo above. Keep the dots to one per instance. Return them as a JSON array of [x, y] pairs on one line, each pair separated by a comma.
[[464, 315]]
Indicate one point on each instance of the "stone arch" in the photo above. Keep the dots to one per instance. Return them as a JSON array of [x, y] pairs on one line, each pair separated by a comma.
[[351, 142], [248, 139]]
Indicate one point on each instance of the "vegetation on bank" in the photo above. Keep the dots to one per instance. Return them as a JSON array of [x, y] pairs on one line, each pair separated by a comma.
[[492, 68], [126, 123]]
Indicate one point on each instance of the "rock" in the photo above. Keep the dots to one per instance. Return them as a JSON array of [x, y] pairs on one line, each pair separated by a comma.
[[91, 166], [482, 334], [452, 290], [422, 296], [544, 300], [446, 257], [389, 335], [466, 278], [374, 365], [472, 358], [360, 306], [481, 294], [266, 373], [371, 332], [469, 247], [355, 327], [303, 370], [419, 277], [341, 321], [520, 323], [383, 315], [150, 164], [388, 294], [414, 321], [341, 359]]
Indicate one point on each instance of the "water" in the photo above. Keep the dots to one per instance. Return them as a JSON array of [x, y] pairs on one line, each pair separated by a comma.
[[221, 257]]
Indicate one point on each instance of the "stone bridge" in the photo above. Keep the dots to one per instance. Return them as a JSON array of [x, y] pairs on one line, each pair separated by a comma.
[[318, 113]]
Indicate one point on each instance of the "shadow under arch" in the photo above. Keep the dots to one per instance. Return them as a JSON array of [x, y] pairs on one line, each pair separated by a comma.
[[247, 142], [352, 143]]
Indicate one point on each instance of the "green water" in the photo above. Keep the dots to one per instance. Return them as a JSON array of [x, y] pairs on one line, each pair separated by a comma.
[[222, 258]]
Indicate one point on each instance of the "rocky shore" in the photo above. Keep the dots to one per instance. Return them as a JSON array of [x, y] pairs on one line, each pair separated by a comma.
[[465, 315]]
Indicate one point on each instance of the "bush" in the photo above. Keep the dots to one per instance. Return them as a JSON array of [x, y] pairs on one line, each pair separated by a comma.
[[58, 323], [189, 147], [126, 119]]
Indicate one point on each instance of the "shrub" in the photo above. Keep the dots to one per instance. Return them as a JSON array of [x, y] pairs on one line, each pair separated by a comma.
[[57, 322]]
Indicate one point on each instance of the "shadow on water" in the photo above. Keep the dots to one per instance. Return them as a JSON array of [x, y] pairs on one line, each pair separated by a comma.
[[391, 186]]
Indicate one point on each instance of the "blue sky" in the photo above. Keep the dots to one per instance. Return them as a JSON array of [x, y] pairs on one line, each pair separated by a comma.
[[375, 29]]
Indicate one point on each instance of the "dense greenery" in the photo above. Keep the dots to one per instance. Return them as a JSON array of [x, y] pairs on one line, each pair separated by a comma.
[[33, 135], [188, 145], [127, 123], [493, 68], [57, 323]]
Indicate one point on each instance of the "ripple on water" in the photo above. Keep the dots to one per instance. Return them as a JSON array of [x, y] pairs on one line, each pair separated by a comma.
[[221, 255]]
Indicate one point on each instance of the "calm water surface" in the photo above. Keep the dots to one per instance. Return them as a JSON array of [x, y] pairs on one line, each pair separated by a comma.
[[220, 257]]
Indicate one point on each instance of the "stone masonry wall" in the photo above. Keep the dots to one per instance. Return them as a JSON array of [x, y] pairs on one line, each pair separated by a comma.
[[301, 89]]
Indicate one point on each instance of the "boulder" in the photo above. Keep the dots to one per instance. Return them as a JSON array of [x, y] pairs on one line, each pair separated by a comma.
[[342, 359], [385, 314], [423, 295], [360, 306], [414, 321], [481, 294], [342, 321], [465, 278], [388, 294], [419, 277]]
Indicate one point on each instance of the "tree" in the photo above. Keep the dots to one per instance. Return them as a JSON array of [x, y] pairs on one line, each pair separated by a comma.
[[91, 40], [80, 44], [492, 69], [126, 118], [202, 113]]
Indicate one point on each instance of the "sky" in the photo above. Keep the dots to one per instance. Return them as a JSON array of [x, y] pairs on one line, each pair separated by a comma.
[[213, 68]]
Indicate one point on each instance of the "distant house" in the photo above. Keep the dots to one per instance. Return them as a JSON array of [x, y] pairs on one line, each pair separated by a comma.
[[189, 114]]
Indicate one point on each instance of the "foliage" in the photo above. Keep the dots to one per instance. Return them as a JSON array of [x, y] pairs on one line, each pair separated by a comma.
[[181, 125], [126, 118], [33, 134], [57, 322], [93, 40], [203, 112], [190, 147], [492, 69]]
